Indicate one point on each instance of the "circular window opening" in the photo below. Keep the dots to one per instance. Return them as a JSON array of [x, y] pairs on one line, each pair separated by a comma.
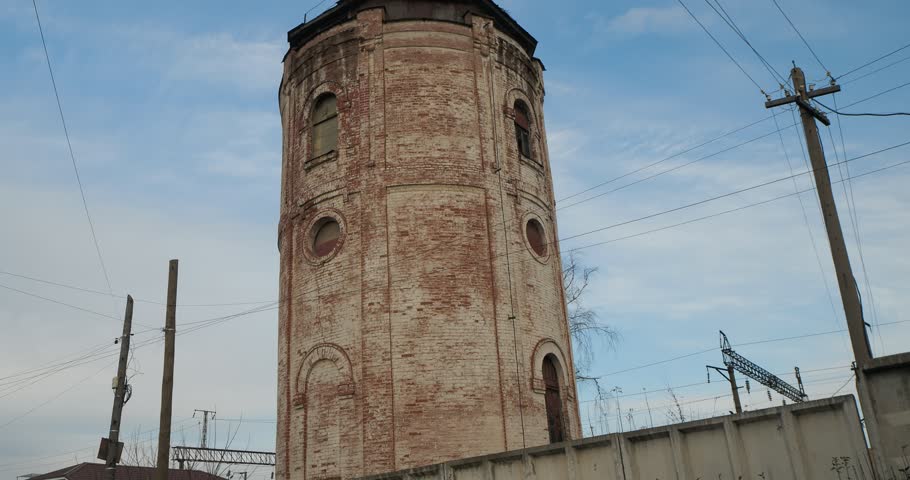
[[536, 237], [326, 234]]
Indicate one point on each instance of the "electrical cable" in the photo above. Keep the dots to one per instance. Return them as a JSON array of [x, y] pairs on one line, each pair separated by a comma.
[[66, 390], [304, 293], [728, 19], [844, 385], [756, 342], [801, 37], [72, 155], [137, 300], [872, 61], [856, 226], [845, 114], [58, 302], [721, 47], [805, 215], [672, 169], [874, 96], [873, 72], [731, 132]]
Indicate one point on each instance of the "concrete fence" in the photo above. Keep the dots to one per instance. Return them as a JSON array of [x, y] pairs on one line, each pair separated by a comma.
[[821, 439]]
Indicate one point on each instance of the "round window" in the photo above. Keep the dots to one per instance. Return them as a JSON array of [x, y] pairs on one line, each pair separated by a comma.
[[326, 234], [536, 237]]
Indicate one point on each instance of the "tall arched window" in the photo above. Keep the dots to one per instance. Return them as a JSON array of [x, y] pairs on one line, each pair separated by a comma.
[[553, 399], [522, 129], [325, 125]]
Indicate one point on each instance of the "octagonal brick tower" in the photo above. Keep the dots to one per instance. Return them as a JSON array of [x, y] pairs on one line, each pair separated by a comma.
[[422, 315]]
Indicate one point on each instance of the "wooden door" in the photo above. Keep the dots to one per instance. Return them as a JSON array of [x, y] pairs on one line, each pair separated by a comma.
[[555, 424]]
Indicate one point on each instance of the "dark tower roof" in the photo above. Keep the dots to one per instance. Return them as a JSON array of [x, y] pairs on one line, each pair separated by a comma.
[[457, 11]]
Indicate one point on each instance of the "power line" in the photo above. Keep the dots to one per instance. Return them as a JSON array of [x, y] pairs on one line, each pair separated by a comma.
[[671, 169], [873, 72], [728, 19], [756, 342], [844, 385], [69, 145], [33, 460], [58, 302], [729, 194], [731, 132], [139, 300], [721, 46], [845, 114], [801, 37], [36, 407], [346, 280], [872, 61], [802, 207], [217, 320], [856, 227], [876, 95], [677, 387]]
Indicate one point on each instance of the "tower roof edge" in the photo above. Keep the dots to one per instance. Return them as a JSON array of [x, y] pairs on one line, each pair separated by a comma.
[[345, 10]]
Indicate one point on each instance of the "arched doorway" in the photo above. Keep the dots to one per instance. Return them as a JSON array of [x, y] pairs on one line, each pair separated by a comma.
[[553, 399]]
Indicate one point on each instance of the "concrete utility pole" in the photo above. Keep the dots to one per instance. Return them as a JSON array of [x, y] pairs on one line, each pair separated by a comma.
[[205, 424], [113, 446], [167, 382], [730, 376], [736, 402], [848, 291]]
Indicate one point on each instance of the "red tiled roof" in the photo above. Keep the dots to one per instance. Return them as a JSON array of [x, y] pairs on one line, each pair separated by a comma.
[[96, 471]]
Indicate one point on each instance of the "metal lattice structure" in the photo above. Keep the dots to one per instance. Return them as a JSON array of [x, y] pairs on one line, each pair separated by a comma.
[[760, 375], [217, 455]]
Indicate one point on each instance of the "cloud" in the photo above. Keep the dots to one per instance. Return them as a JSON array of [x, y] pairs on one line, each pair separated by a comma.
[[644, 20], [223, 259], [222, 58]]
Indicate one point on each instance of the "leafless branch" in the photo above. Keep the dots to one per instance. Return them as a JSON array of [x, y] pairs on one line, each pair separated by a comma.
[[584, 325]]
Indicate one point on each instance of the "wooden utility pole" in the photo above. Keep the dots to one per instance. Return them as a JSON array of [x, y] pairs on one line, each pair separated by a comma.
[[113, 443], [167, 382], [846, 282]]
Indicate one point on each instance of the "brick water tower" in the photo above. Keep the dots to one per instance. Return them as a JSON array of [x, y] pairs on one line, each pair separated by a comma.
[[422, 315]]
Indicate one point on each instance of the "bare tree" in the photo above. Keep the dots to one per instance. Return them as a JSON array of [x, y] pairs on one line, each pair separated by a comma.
[[140, 452], [675, 413], [143, 452], [584, 325]]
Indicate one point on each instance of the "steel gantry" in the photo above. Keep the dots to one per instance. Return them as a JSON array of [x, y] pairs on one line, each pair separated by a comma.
[[217, 455], [746, 367]]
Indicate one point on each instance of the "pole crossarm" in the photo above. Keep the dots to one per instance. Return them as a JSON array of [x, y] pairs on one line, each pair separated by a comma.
[[218, 455], [811, 94], [759, 374]]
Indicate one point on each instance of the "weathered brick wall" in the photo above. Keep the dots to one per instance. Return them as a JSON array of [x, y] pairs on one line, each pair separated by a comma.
[[421, 337]]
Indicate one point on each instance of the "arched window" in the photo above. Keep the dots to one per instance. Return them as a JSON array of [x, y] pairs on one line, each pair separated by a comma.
[[522, 129], [325, 125], [553, 399]]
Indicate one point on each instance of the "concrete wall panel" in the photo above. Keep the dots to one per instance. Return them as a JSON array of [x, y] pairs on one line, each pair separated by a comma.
[[651, 457], [707, 453], [764, 449], [802, 441], [597, 462]]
